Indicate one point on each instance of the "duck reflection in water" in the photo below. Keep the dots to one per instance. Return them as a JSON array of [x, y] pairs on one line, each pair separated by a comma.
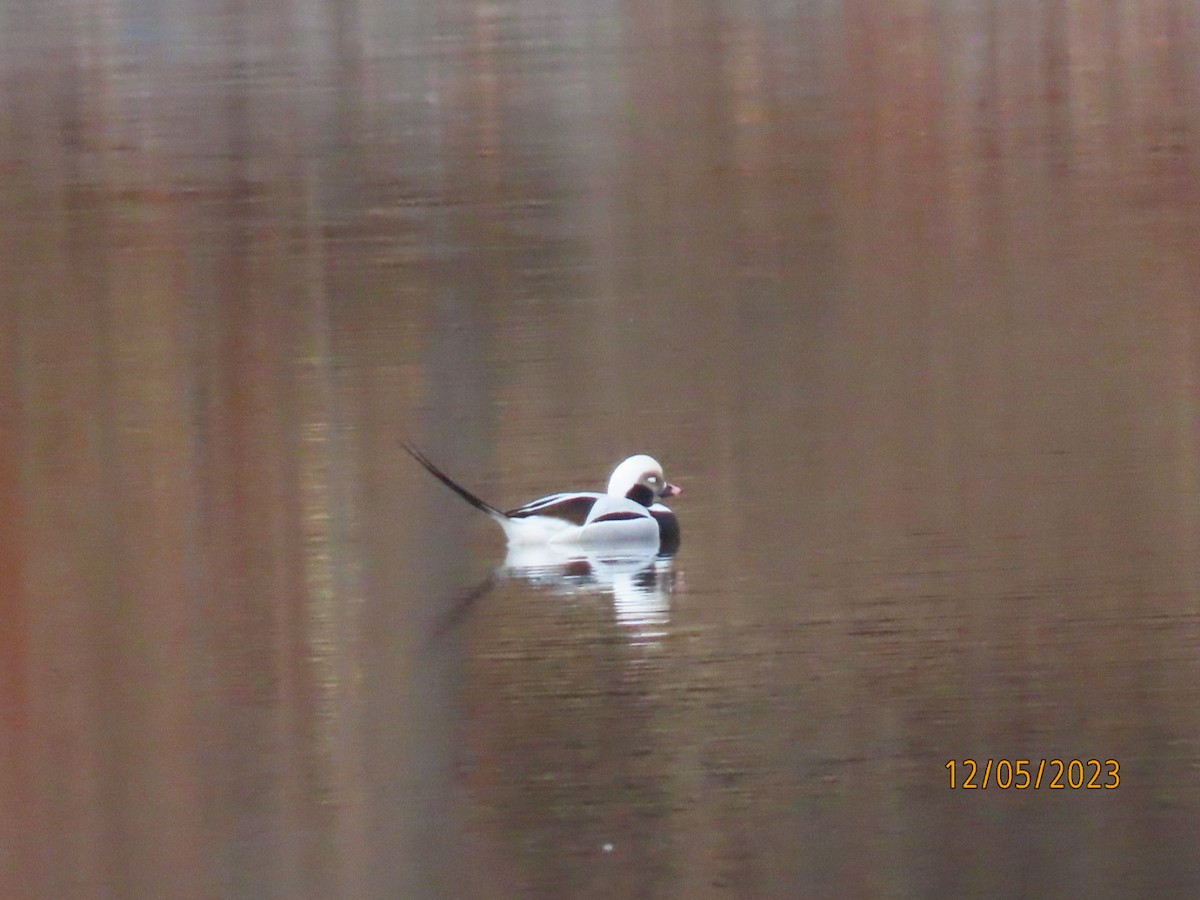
[[640, 584]]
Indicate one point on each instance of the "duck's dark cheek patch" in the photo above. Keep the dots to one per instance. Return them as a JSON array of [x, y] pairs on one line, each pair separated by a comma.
[[639, 493]]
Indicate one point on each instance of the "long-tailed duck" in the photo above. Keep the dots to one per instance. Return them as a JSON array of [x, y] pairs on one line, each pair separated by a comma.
[[628, 513]]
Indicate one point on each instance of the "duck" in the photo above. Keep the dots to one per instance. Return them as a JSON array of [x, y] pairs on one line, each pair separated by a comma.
[[629, 512]]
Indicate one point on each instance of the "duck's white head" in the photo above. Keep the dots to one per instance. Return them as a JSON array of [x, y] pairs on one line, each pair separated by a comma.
[[640, 478]]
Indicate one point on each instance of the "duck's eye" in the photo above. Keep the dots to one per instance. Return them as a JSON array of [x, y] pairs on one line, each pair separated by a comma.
[[653, 479]]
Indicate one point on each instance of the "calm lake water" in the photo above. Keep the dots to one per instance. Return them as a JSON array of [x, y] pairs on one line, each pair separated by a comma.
[[905, 296]]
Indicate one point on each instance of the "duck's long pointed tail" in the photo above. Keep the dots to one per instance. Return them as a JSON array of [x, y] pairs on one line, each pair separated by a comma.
[[449, 482]]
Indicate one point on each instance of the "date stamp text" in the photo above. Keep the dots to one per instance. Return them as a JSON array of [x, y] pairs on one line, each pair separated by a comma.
[[1034, 774]]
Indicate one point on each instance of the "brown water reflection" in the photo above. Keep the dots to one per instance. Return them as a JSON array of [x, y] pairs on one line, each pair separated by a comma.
[[904, 295]]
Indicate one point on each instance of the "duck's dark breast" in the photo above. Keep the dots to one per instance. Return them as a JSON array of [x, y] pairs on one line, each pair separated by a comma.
[[668, 530]]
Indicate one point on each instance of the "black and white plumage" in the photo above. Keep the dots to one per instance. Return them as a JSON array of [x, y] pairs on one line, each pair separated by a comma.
[[629, 512]]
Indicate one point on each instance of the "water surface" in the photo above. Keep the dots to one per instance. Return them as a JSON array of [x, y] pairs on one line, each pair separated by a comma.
[[903, 296]]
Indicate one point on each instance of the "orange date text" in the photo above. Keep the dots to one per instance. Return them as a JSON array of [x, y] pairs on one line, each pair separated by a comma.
[[1034, 774]]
